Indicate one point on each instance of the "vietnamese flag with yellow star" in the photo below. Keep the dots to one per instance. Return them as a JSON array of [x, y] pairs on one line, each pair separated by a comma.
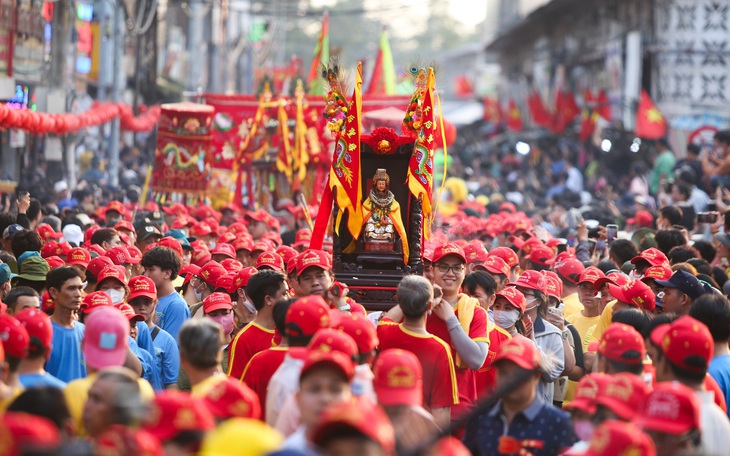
[[514, 116], [650, 123]]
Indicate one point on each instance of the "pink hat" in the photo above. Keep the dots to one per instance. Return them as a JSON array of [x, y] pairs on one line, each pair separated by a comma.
[[105, 338]]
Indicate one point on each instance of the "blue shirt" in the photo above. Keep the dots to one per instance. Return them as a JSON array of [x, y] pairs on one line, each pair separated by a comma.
[[67, 359], [144, 339], [38, 380], [149, 370], [167, 357], [720, 371], [172, 311], [539, 421]]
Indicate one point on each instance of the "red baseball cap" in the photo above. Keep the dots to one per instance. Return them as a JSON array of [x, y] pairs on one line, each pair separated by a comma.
[[329, 339], [183, 221], [624, 395], [226, 238], [554, 287], [286, 253], [188, 271], [120, 255], [622, 343], [119, 440], [642, 218], [513, 296], [200, 257], [653, 256], [398, 378], [450, 248], [495, 265], [303, 238], [508, 255], [51, 248], [587, 390], [55, 262], [142, 286], [173, 412], [243, 243], [14, 337], [237, 228], [363, 417], [129, 312], [475, 251], [38, 325], [590, 275], [200, 229], [47, 232], [672, 408], [23, 431], [541, 255], [686, 342], [231, 265], [306, 316], [361, 330], [659, 272], [532, 280], [273, 236], [262, 245], [530, 244], [232, 398], [113, 272], [78, 255], [94, 300], [569, 269], [217, 301], [242, 276], [615, 278], [270, 260], [172, 244], [175, 209], [224, 249], [225, 283], [115, 206], [334, 358], [634, 293], [125, 226], [613, 437], [313, 258], [520, 351], [105, 337], [211, 272]]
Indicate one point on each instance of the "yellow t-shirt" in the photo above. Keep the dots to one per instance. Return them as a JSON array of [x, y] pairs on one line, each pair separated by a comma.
[[5, 403], [583, 324], [77, 391], [202, 388], [604, 321], [572, 305]]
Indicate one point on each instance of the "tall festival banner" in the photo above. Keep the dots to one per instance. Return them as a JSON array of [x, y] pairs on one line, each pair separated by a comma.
[[183, 142]]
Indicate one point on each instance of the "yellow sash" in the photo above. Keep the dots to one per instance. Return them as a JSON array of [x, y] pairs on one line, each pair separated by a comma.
[[465, 310]]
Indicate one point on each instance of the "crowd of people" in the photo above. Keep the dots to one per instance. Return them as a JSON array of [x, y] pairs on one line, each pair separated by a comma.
[[182, 330]]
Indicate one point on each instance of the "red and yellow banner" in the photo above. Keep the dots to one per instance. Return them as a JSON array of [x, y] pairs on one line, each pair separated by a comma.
[[420, 167], [345, 174]]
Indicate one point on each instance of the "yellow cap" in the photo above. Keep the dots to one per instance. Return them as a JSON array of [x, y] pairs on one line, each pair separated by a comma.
[[226, 439]]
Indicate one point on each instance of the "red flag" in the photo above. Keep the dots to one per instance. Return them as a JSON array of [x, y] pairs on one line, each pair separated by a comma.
[[492, 111], [566, 110], [514, 117], [540, 114], [345, 174], [420, 166], [322, 51], [587, 124], [650, 123], [588, 99], [603, 107]]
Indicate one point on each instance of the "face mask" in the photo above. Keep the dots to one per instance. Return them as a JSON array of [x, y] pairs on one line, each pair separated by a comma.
[[633, 275], [247, 304], [583, 429], [225, 321], [212, 245], [198, 294], [116, 295], [506, 318], [528, 304]]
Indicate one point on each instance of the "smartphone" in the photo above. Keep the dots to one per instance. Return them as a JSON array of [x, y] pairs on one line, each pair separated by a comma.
[[556, 311], [592, 246], [562, 248], [574, 218], [707, 217], [712, 207], [611, 233]]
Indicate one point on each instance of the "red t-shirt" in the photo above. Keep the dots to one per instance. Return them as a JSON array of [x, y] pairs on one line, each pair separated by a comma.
[[439, 376], [252, 339], [465, 377], [259, 370], [486, 375]]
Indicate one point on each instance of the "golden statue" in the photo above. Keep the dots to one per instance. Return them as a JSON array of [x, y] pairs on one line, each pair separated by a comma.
[[382, 217]]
